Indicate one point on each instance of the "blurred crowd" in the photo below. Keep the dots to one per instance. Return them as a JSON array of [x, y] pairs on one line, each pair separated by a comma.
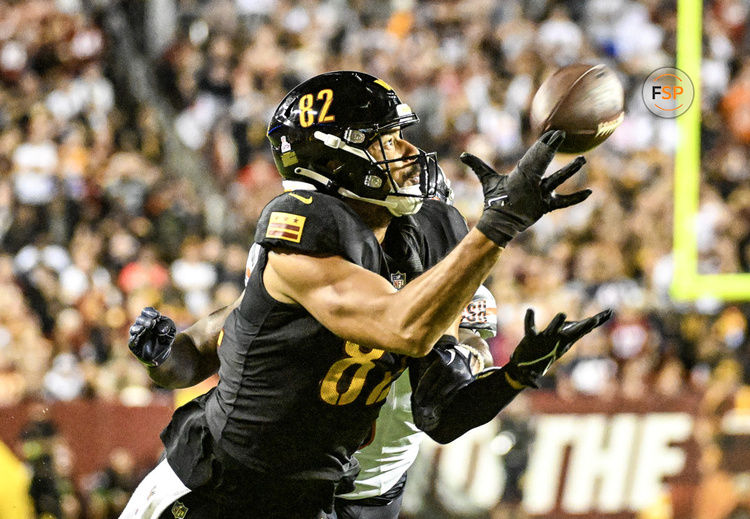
[[93, 228], [54, 489]]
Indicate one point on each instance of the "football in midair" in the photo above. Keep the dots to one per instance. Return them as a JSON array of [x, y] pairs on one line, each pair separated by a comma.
[[587, 101]]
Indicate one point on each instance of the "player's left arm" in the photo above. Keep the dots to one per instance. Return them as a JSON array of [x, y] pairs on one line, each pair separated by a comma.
[[447, 400], [178, 360]]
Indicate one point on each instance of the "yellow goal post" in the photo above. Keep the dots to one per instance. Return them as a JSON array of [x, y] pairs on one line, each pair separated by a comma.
[[687, 283]]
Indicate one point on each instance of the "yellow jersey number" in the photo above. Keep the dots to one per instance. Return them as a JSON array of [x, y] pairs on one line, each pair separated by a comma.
[[306, 112], [363, 358]]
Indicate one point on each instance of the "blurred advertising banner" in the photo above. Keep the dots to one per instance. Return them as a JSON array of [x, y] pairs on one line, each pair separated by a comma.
[[543, 457], [595, 457], [89, 429], [589, 458]]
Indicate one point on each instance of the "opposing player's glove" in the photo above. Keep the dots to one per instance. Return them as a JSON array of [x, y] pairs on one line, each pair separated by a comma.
[[513, 202], [435, 380], [151, 337], [537, 351]]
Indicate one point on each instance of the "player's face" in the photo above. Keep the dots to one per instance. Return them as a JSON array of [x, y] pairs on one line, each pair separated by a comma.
[[391, 145]]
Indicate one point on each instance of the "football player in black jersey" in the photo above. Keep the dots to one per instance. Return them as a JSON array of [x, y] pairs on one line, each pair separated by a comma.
[[308, 355]]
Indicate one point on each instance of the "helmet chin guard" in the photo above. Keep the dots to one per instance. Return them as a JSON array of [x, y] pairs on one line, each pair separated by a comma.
[[408, 199]]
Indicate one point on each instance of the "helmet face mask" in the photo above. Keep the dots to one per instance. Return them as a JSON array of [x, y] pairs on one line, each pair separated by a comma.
[[322, 131], [443, 189]]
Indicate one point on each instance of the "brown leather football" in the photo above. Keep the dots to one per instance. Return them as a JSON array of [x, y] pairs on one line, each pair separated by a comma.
[[587, 101]]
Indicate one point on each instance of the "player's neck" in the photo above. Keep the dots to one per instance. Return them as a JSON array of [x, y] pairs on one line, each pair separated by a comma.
[[377, 218]]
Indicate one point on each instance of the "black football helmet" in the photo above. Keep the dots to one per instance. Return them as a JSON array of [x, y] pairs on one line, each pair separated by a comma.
[[322, 129]]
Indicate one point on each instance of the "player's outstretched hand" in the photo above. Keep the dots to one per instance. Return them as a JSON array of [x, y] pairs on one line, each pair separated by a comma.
[[513, 202], [537, 351], [151, 337]]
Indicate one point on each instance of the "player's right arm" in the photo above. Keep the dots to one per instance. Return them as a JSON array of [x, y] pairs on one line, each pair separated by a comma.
[[177, 360], [363, 307]]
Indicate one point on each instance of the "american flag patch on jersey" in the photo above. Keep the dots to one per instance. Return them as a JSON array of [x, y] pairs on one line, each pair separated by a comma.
[[285, 226]]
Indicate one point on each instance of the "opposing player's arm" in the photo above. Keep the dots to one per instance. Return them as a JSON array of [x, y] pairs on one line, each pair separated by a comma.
[[446, 402], [184, 359], [363, 307]]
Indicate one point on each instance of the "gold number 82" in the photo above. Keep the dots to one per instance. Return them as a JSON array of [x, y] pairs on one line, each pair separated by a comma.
[[307, 112], [329, 388]]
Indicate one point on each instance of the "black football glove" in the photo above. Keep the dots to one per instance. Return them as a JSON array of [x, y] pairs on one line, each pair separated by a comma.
[[435, 380], [513, 202], [537, 351], [151, 337]]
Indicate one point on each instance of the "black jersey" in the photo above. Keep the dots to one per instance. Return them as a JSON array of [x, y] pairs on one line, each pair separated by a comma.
[[415, 243], [294, 400]]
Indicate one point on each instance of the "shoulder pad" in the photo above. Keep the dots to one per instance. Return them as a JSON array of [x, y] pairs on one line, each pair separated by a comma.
[[317, 223]]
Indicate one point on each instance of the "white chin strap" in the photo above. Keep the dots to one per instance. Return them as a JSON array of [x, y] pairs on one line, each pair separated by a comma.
[[293, 185], [407, 204], [397, 205]]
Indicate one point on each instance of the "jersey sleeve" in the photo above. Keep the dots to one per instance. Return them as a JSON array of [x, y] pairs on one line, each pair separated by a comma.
[[315, 223], [444, 217]]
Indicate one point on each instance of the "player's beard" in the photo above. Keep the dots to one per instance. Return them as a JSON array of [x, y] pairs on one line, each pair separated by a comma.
[[409, 197]]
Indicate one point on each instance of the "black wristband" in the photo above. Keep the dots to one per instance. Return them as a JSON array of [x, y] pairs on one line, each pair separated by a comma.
[[495, 226], [520, 376]]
